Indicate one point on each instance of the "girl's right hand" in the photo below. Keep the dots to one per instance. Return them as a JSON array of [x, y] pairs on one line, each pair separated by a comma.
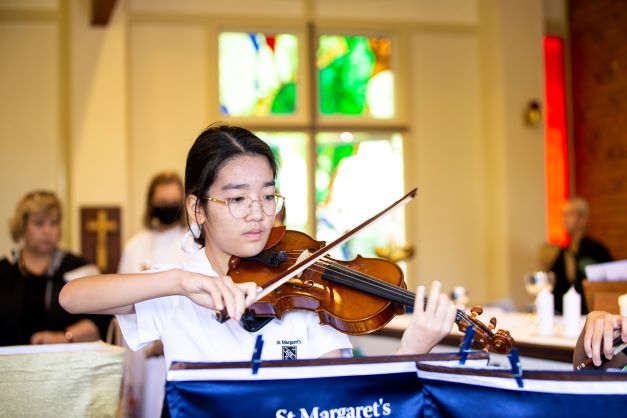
[[218, 293]]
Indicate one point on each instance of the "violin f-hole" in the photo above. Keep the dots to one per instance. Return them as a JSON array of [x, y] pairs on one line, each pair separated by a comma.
[[304, 284]]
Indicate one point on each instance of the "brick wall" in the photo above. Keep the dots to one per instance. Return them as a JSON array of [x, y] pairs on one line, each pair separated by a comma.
[[599, 82]]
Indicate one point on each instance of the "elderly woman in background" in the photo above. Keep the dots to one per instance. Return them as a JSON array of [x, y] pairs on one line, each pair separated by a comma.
[[570, 264], [32, 276]]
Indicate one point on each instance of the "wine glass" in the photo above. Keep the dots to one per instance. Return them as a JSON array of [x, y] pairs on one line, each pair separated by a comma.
[[459, 295], [537, 281]]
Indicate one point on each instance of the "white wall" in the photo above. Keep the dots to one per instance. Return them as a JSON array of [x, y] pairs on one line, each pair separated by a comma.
[[448, 154], [512, 74], [169, 100], [31, 147], [98, 113]]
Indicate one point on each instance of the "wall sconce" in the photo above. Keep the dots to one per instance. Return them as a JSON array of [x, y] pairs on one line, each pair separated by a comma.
[[533, 114]]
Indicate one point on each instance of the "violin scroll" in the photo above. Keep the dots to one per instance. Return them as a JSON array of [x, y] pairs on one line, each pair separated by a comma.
[[500, 342]]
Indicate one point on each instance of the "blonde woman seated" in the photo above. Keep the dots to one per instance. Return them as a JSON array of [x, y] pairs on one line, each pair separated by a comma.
[[32, 275]]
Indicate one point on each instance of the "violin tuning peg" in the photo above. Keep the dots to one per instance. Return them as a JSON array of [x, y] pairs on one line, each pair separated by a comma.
[[492, 323], [476, 310]]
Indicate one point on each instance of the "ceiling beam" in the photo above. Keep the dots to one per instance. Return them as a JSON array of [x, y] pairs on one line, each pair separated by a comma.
[[101, 11]]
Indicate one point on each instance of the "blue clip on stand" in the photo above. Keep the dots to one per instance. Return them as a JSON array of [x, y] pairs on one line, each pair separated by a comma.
[[465, 347], [514, 360], [255, 362]]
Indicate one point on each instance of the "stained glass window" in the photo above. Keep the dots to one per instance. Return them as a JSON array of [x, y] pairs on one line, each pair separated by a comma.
[[357, 175], [258, 74], [355, 77], [291, 150]]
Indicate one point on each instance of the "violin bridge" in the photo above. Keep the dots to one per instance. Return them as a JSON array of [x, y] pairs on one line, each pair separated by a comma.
[[296, 280], [305, 254]]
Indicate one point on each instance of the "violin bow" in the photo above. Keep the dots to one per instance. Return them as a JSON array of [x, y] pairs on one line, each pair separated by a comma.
[[302, 265]]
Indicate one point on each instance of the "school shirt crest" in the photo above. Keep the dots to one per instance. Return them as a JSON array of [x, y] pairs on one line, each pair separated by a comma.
[[289, 349]]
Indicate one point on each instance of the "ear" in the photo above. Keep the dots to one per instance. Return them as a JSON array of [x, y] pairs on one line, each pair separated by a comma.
[[194, 209]]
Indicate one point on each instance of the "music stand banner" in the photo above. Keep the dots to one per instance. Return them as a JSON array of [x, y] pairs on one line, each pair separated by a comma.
[[360, 387], [455, 392]]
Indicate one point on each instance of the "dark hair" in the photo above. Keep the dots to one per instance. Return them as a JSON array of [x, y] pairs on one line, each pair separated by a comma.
[[165, 177], [212, 149]]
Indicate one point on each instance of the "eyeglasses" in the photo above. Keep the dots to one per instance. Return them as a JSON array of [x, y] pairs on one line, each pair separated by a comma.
[[240, 207]]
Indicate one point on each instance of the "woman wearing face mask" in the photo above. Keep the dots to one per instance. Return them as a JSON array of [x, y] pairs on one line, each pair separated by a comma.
[[159, 240], [163, 230]]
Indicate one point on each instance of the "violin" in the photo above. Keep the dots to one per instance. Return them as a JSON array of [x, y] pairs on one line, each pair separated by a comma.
[[355, 297]]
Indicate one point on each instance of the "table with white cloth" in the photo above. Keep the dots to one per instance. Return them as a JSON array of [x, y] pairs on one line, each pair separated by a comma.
[[60, 380]]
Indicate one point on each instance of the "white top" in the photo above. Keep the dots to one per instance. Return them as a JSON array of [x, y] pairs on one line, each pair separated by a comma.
[[148, 247], [189, 332]]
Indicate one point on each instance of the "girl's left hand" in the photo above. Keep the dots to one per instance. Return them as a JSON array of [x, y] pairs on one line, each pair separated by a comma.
[[599, 332], [430, 323]]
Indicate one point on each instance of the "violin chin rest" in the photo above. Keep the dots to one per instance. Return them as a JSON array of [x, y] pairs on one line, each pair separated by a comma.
[[251, 323]]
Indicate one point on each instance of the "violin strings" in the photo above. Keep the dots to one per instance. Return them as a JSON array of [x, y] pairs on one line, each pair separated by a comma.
[[378, 286], [376, 283], [382, 285], [387, 289]]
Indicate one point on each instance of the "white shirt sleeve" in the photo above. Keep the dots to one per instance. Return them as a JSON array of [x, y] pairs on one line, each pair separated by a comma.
[[143, 327]]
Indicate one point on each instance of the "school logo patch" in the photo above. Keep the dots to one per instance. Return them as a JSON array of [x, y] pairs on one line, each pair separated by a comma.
[[289, 352]]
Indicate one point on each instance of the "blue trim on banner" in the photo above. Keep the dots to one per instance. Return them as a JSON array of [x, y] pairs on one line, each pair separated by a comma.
[[514, 360], [465, 347], [255, 362]]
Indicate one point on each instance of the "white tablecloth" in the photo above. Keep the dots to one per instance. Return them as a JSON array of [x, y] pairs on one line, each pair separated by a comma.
[[60, 380]]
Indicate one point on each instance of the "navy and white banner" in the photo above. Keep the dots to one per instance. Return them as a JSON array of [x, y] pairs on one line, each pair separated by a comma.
[[325, 388], [396, 395], [389, 387], [457, 392]]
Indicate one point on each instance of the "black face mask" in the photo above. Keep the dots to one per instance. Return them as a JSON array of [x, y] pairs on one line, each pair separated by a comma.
[[167, 215]]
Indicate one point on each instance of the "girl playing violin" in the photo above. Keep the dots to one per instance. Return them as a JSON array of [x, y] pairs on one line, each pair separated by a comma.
[[231, 204]]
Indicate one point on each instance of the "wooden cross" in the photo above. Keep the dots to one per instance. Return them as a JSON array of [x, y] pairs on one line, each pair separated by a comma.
[[102, 226]]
